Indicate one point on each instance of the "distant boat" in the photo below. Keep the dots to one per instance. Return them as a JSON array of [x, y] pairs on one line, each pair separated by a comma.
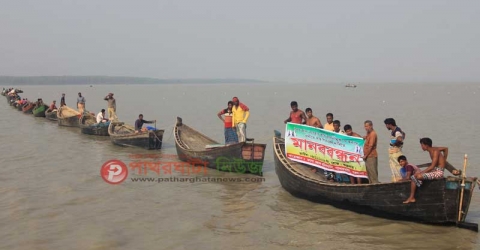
[[350, 85]]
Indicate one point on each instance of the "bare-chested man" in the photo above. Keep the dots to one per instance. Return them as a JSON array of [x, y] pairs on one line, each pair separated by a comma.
[[434, 171], [312, 120], [296, 115], [348, 131]]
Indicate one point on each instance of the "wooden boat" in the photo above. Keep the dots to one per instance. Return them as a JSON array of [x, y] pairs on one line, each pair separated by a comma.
[[20, 107], [40, 111], [89, 126], [193, 146], [68, 117], [11, 100], [124, 135], [437, 202], [350, 85], [28, 108], [51, 115]]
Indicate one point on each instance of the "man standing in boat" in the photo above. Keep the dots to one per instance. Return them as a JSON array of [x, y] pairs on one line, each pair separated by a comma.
[[230, 132], [312, 120], [112, 106], [296, 115], [139, 124], [434, 171], [81, 103], [370, 155], [62, 100], [240, 116], [397, 137]]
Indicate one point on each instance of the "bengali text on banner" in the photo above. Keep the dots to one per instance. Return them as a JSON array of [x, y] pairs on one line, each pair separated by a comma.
[[325, 149]]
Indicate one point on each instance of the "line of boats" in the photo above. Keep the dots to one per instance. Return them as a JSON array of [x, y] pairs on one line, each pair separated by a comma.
[[445, 201], [192, 146]]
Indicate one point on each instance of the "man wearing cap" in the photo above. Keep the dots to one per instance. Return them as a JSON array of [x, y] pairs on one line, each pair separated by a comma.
[[112, 106], [240, 116], [62, 100], [80, 103]]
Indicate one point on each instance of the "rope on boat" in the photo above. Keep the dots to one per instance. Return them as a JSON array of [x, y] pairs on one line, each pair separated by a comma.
[[172, 127]]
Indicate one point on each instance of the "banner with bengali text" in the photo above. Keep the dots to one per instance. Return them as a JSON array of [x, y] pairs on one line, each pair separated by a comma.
[[325, 149]]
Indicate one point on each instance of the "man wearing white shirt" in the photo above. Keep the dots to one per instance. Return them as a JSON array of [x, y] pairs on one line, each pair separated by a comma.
[[101, 117]]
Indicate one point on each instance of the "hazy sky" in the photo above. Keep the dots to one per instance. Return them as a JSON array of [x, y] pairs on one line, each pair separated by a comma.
[[274, 40]]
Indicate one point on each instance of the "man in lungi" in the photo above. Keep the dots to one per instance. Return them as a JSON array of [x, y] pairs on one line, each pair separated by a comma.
[[230, 132], [434, 171], [240, 116], [370, 152], [397, 137], [80, 103]]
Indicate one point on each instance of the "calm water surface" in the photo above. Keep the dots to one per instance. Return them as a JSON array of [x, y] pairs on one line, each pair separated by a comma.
[[52, 196]]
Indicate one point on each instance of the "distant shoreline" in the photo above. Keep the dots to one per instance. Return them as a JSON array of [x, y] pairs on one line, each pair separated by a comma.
[[107, 80]]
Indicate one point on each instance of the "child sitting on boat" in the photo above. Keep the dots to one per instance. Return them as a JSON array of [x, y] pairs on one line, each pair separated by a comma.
[[407, 169]]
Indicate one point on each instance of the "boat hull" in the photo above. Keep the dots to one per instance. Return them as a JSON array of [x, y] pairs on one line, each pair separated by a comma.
[[28, 109], [72, 121], [94, 130], [436, 201], [52, 116], [151, 140], [40, 111], [242, 157]]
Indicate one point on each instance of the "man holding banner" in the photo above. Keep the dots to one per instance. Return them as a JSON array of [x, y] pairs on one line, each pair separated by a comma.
[[370, 152], [330, 151]]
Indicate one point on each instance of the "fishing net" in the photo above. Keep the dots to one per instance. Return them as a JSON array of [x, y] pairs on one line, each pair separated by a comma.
[[66, 112]]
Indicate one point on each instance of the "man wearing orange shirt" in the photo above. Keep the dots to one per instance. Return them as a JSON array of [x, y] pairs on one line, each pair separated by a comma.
[[329, 124], [370, 155]]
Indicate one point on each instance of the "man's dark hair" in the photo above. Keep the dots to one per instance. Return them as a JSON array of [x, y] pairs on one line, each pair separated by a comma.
[[140, 115], [330, 114], [402, 157], [426, 141], [336, 122], [390, 121], [308, 109], [347, 127], [293, 103], [230, 102], [103, 110]]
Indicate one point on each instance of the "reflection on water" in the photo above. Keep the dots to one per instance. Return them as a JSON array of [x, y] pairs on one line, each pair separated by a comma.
[[52, 196]]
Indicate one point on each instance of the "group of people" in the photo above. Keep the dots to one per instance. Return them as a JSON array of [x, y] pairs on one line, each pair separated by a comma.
[[101, 118], [111, 109], [235, 118], [401, 169]]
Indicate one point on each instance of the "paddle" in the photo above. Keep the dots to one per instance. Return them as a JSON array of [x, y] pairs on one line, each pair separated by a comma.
[[463, 224], [463, 188]]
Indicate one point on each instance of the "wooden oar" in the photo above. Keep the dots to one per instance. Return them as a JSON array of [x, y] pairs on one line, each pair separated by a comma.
[[463, 188]]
